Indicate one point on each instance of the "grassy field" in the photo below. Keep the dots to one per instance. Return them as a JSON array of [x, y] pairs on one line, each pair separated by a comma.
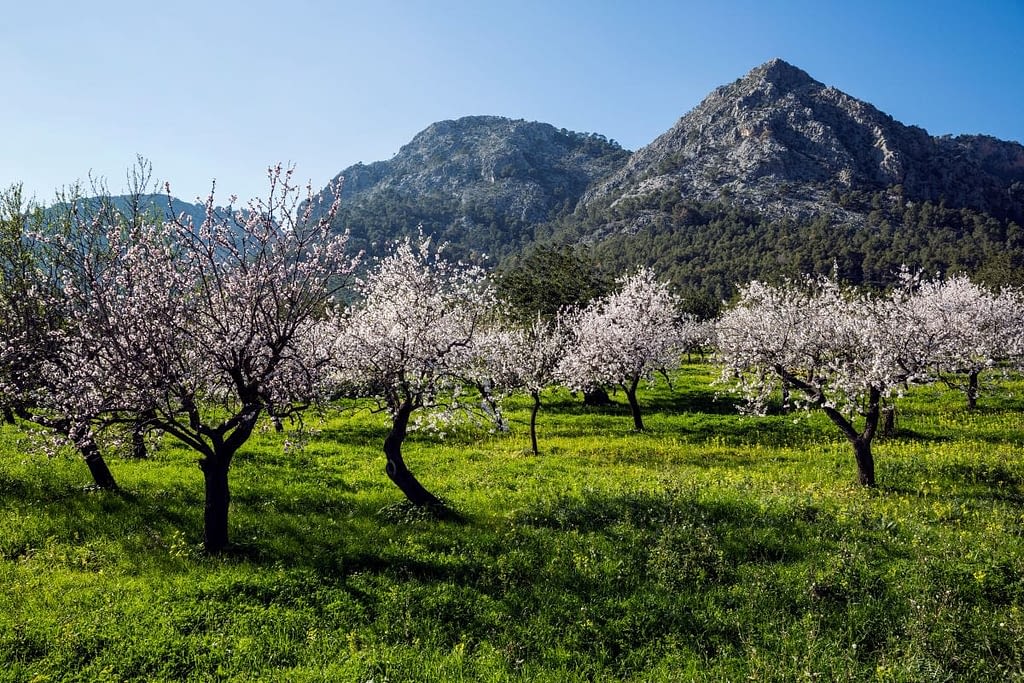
[[712, 547]]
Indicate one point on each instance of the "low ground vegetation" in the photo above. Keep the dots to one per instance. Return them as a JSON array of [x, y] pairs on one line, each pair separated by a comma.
[[711, 546]]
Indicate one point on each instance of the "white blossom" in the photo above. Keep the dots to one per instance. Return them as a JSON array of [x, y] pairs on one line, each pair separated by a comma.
[[624, 337]]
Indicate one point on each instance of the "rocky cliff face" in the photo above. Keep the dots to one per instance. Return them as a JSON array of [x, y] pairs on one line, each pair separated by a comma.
[[480, 182], [779, 141]]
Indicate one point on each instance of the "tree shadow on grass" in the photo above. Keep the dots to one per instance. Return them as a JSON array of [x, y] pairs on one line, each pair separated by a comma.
[[979, 480], [669, 402]]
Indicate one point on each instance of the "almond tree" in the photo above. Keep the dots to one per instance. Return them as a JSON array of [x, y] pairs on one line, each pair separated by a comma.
[[976, 326], [843, 351], [202, 329], [28, 324], [625, 337], [409, 343], [514, 357]]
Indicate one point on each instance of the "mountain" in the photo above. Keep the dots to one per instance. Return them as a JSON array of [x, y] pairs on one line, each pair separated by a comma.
[[775, 174], [480, 183], [150, 204], [779, 142]]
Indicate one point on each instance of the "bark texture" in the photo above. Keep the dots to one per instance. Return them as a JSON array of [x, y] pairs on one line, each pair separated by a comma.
[[533, 421], [634, 404], [396, 468]]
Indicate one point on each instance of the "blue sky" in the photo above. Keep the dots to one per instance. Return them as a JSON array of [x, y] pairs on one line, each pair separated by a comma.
[[208, 89]]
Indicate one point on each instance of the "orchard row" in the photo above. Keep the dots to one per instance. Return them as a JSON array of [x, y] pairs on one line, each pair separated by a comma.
[[114, 318]]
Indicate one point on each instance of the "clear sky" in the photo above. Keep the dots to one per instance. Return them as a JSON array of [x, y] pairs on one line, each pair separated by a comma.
[[222, 88]]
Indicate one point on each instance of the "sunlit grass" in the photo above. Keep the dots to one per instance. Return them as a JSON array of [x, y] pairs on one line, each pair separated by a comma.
[[714, 546]]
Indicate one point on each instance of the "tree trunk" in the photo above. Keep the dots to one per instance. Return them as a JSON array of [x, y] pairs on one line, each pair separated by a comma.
[[396, 470], [865, 462], [634, 405], [972, 390], [8, 415], [888, 421], [533, 420], [102, 477], [218, 498], [862, 441], [215, 464], [139, 428]]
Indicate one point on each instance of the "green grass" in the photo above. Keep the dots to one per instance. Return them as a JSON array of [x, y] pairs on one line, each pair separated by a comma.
[[712, 547]]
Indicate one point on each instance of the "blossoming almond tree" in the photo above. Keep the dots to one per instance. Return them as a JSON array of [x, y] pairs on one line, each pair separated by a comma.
[[842, 350], [203, 329], [28, 324], [625, 337], [409, 343], [977, 328], [515, 357]]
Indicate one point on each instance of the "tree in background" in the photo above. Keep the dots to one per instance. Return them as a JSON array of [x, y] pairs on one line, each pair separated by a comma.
[[515, 356], [976, 327], [842, 350], [409, 343], [624, 337], [203, 329], [546, 279]]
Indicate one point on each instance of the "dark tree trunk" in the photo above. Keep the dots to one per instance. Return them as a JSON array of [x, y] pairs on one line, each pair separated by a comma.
[[889, 421], [8, 415], [396, 470], [215, 464], [861, 441], [865, 462], [218, 498], [634, 405], [81, 436], [139, 429], [533, 420], [972, 390]]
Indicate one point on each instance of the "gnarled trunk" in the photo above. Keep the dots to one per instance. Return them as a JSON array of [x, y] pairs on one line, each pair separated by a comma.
[[889, 421], [215, 465], [218, 499], [861, 442], [81, 436], [140, 426], [634, 405], [972, 390], [865, 462], [533, 420], [396, 469]]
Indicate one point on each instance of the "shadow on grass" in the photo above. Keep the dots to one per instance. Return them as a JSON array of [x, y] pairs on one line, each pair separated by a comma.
[[670, 402], [978, 480]]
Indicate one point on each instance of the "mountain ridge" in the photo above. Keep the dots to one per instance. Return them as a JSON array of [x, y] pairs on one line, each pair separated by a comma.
[[771, 175], [478, 182], [778, 125]]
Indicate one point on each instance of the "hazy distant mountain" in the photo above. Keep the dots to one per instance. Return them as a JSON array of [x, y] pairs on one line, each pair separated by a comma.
[[481, 183], [148, 204]]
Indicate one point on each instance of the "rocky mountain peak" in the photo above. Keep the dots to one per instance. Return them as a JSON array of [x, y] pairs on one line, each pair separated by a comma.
[[481, 182], [780, 74], [779, 142]]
